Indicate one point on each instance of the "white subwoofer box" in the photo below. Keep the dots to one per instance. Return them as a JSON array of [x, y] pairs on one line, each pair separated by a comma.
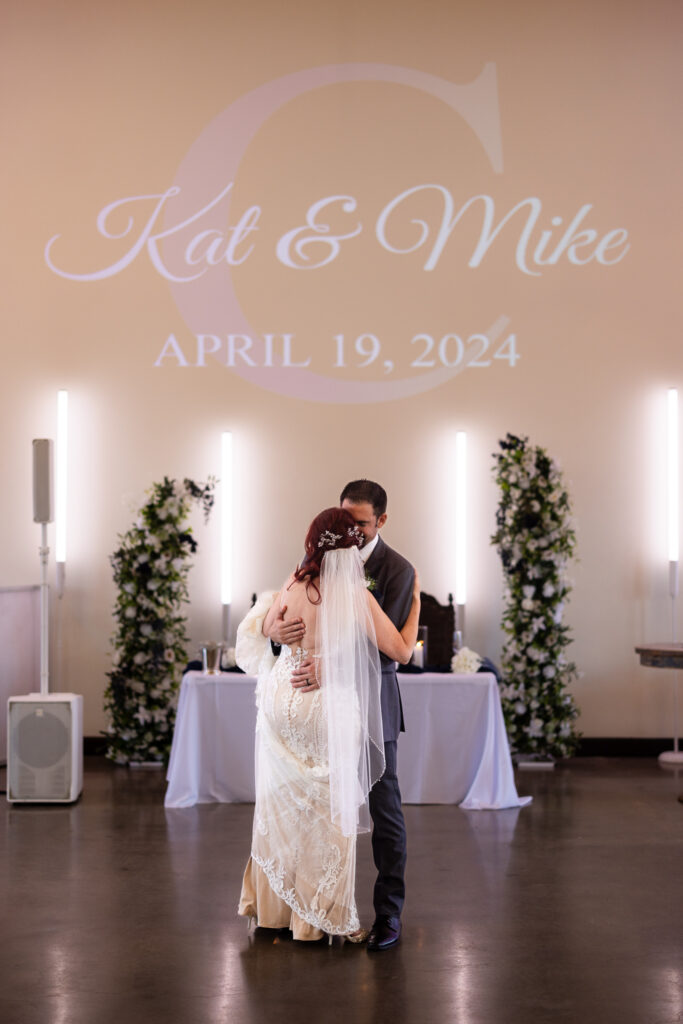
[[44, 748]]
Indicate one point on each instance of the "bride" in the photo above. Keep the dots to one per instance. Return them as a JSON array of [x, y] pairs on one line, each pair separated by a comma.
[[318, 753]]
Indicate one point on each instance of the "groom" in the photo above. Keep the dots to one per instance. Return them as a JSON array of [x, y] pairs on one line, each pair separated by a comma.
[[390, 578]]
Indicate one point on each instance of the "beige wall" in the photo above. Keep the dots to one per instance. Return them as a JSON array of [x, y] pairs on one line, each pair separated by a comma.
[[107, 102]]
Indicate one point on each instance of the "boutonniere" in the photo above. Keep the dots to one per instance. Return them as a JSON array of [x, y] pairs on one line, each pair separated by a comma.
[[370, 583]]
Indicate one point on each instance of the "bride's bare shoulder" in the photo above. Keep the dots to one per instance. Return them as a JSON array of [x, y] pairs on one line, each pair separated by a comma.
[[301, 591]]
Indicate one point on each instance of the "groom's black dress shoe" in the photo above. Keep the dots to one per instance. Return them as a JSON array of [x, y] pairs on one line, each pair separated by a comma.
[[385, 933]]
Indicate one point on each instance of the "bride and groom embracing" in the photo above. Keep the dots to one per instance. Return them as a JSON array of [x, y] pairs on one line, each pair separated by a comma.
[[329, 715]]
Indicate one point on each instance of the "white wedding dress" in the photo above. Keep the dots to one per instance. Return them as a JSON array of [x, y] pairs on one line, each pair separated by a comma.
[[301, 874], [317, 756]]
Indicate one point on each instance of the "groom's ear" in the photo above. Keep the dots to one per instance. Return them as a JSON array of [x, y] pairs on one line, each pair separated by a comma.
[[381, 520]]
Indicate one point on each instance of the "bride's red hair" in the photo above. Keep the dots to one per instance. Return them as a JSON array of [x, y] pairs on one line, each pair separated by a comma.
[[332, 528]]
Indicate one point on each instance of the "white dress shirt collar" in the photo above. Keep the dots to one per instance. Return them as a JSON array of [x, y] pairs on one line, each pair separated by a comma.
[[367, 549]]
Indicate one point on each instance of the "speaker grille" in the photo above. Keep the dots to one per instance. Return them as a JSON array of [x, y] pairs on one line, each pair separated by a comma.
[[41, 739], [40, 745]]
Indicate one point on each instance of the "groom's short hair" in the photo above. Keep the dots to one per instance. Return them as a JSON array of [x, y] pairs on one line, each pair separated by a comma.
[[360, 491]]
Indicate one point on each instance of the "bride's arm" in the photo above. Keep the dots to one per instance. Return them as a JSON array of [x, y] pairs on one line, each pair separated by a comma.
[[273, 613], [395, 644]]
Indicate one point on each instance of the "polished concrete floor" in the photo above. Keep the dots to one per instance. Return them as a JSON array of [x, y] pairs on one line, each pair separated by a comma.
[[116, 911]]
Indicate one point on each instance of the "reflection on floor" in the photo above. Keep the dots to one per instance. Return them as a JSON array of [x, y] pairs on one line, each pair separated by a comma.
[[566, 911]]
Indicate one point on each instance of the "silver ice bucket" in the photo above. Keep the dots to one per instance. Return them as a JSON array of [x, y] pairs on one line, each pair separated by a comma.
[[211, 658]]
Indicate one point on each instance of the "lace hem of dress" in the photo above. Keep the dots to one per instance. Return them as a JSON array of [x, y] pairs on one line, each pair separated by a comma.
[[276, 882]]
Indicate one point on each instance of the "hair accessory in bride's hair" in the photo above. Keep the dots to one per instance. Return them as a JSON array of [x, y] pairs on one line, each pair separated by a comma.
[[328, 539], [353, 531]]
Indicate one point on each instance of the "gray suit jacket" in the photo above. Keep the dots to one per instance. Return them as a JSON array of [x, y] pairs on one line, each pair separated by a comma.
[[393, 576]]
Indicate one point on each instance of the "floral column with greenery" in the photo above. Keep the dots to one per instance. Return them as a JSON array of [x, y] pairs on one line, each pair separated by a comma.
[[151, 567], [535, 538]]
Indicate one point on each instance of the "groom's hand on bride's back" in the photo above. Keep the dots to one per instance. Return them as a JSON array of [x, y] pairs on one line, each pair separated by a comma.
[[287, 632], [303, 677]]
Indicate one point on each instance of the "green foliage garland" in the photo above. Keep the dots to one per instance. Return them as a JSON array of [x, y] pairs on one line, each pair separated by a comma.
[[535, 538], [151, 567]]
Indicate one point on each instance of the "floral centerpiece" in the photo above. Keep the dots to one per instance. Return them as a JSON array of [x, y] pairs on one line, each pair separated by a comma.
[[151, 567], [535, 538], [466, 660]]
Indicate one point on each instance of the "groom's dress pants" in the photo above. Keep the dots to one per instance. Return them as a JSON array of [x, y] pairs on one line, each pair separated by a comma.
[[388, 839]]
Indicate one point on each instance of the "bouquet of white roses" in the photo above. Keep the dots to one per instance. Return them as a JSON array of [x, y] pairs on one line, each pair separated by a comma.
[[465, 661]]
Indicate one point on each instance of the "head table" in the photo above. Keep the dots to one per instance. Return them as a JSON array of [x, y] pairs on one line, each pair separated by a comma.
[[454, 750]]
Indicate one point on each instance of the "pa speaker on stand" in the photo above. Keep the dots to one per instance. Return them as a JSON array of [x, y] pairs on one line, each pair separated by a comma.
[[44, 730], [44, 748]]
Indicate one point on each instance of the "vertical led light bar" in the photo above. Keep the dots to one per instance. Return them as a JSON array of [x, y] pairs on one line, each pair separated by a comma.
[[460, 517], [672, 487], [61, 467], [226, 530], [674, 756]]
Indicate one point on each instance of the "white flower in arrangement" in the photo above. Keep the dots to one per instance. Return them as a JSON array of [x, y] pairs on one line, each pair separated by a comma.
[[130, 612], [520, 707], [146, 629], [549, 671], [153, 585], [140, 658], [548, 589], [169, 655], [529, 591], [141, 559], [528, 605], [129, 588], [465, 661]]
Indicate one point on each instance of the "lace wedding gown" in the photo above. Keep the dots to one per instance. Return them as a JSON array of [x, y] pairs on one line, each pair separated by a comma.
[[301, 873]]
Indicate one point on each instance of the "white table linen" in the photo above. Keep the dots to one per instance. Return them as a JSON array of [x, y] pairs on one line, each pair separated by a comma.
[[454, 750]]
